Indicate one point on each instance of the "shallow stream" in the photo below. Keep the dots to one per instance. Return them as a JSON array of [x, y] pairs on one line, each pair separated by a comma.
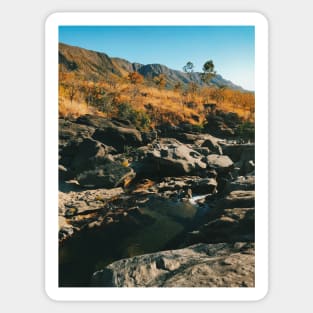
[[164, 224]]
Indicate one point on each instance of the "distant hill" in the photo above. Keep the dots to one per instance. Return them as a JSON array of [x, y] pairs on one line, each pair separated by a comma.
[[93, 65]]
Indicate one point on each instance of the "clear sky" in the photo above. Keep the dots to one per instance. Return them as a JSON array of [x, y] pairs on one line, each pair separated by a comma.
[[230, 47]]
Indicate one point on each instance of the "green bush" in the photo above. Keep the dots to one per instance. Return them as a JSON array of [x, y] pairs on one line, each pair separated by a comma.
[[139, 119]]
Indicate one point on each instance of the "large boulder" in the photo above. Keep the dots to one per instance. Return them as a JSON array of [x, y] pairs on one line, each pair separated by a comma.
[[94, 121], [90, 154], [217, 126], [221, 163], [118, 137], [212, 143], [239, 152], [237, 199], [109, 175], [81, 202], [184, 187], [68, 130], [169, 157], [201, 265], [70, 136], [240, 183], [149, 136], [236, 224], [98, 209], [204, 186], [243, 155], [185, 137]]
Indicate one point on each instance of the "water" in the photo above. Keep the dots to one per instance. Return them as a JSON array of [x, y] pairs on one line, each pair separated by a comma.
[[159, 227]]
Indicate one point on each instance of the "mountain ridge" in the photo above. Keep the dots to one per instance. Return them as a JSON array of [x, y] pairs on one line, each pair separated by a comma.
[[94, 65]]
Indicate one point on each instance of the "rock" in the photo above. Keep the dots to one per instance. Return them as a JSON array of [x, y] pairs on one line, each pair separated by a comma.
[[109, 175], [118, 137], [148, 136], [94, 121], [70, 136], [221, 163], [185, 137], [90, 154], [232, 225], [212, 144], [243, 155], [64, 173], [69, 131], [204, 186], [169, 157], [217, 127], [86, 200], [237, 152], [236, 199], [241, 183], [178, 187], [77, 210], [248, 167], [201, 265], [203, 150]]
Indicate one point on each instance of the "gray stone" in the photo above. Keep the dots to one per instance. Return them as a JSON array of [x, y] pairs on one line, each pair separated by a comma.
[[90, 154], [169, 157], [204, 186], [212, 144], [238, 199], [110, 175], [118, 137], [221, 163], [237, 152], [241, 183], [201, 265]]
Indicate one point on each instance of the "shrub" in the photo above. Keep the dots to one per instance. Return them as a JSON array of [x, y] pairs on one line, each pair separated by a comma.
[[139, 119]]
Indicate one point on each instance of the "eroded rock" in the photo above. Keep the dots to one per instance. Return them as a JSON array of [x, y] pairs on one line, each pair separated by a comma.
[[109, 175], [221, 163], [201, 265], [169, 157]]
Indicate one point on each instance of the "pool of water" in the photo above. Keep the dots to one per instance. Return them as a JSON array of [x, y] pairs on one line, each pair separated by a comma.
[[164, 222]]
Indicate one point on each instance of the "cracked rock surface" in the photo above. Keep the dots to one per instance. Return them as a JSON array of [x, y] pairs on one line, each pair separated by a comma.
[[200, 265]]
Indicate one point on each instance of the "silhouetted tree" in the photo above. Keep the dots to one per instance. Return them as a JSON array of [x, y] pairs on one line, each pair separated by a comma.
[[208, 71], [188, 68]]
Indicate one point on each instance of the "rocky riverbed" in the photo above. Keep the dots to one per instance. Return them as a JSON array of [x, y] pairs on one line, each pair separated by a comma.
[[168, 208]]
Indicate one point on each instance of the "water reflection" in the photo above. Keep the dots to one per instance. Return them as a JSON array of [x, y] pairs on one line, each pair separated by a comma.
[[92, 250]]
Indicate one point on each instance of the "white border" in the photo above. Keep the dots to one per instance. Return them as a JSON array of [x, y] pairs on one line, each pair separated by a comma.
[[51, 156]]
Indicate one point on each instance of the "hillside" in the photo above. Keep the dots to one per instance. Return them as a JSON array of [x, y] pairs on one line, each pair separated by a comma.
[[95, 65], [91, 82]]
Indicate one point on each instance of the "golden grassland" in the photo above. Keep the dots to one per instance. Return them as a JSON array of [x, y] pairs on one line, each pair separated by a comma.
[[78, 97]]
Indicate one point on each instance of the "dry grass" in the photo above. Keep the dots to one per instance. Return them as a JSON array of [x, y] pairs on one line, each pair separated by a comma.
[[168, 103], [72, 109]]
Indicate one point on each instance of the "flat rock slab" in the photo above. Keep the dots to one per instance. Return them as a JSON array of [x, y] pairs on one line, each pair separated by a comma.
[[83, 201], [241, 183], [200, 265], [221, 163], [171, 157], [109, 175]]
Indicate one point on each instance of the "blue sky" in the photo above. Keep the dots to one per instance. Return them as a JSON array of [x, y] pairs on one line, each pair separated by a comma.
[[230, 47]]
